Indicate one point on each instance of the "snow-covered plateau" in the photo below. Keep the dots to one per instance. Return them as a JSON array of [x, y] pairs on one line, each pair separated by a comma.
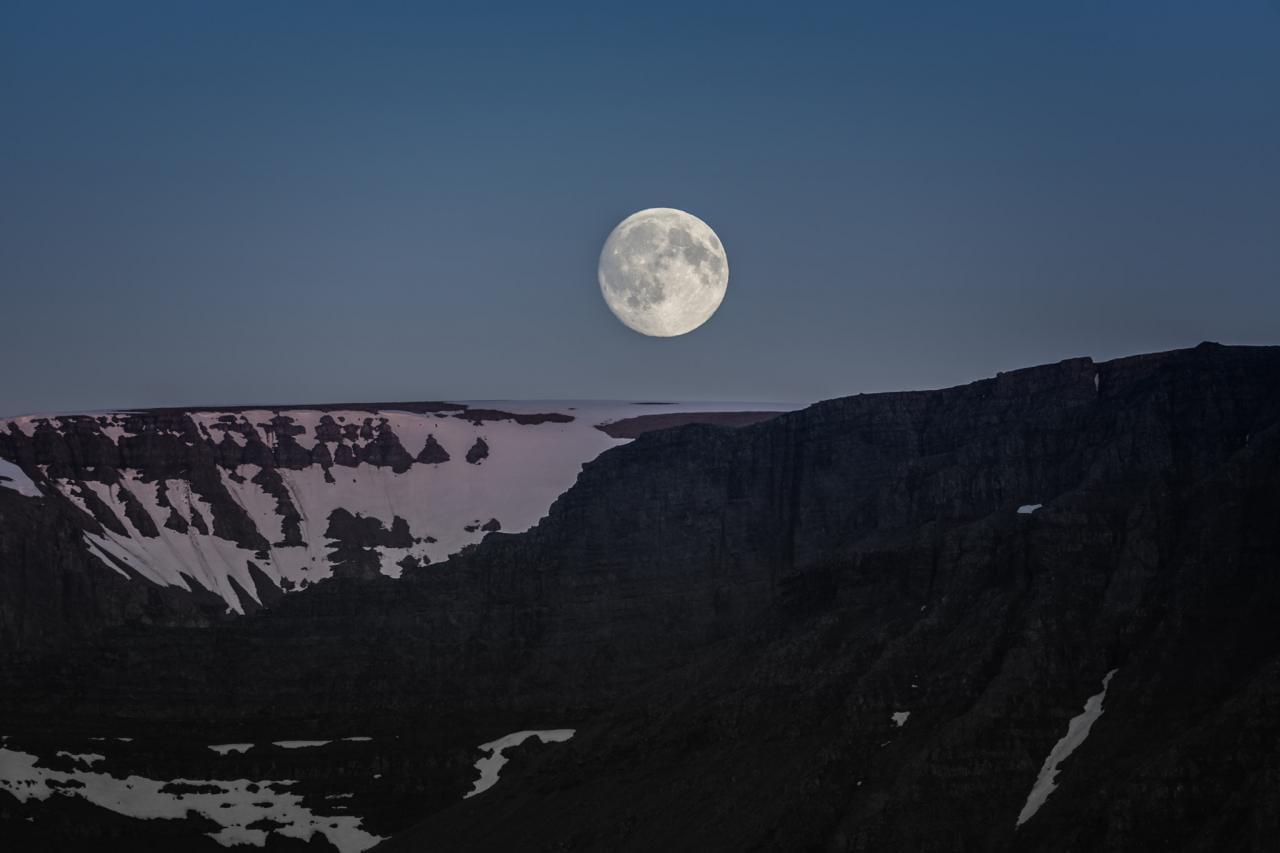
[[241, 501]]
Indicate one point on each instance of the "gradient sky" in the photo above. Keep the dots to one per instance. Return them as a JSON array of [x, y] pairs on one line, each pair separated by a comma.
[[282, 202]]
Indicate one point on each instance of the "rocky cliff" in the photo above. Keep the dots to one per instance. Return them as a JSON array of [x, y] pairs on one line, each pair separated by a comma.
[[1034, 612]]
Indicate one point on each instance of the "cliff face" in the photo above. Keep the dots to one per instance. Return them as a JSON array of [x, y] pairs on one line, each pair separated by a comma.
[[861, 626], [927, 645], [688, 536]]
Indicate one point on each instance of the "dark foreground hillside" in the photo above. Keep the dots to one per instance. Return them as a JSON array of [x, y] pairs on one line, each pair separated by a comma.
[[834, 630]]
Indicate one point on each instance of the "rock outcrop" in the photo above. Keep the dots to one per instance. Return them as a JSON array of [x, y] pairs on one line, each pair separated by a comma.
[[432, 453], [478, 451]]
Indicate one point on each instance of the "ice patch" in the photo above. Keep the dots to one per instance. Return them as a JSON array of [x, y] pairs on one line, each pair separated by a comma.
[[900, 717], [1027, 509], [13, 477], [492, 763], [1077, 731], [234, 807]]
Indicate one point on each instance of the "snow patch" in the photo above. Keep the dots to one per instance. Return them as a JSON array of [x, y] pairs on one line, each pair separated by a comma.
[[228, 748], [233, 807], [1077, 731], [14, 478], [88, 758], [300, 744], [900, 717], [490, 765], [1027, 509]]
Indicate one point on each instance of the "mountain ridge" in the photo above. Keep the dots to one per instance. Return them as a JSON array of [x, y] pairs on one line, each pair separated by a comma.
[[735, 622]]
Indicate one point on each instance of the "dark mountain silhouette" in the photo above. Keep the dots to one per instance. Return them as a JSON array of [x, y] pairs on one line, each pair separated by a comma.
[[861, 626]]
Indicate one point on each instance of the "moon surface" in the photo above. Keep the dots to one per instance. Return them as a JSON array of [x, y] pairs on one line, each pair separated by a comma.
[[663, 272]]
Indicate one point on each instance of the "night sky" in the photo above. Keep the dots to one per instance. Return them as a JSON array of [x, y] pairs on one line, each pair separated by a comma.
[[228, 202]]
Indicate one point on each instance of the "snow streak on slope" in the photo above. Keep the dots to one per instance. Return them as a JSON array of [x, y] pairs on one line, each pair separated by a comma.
[[490, 765], [499, 474], [1077, 731], [171, 557], [13, 477]]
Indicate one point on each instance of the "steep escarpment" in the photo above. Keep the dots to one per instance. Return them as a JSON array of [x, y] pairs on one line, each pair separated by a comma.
[[53, 591], [864, 625], [906, 697], [908, 687]]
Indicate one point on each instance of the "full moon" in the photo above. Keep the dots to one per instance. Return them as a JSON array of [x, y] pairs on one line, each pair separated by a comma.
[[663, 272]]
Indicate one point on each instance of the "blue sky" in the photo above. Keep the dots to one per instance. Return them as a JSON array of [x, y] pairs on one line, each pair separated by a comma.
[[286, 202]]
